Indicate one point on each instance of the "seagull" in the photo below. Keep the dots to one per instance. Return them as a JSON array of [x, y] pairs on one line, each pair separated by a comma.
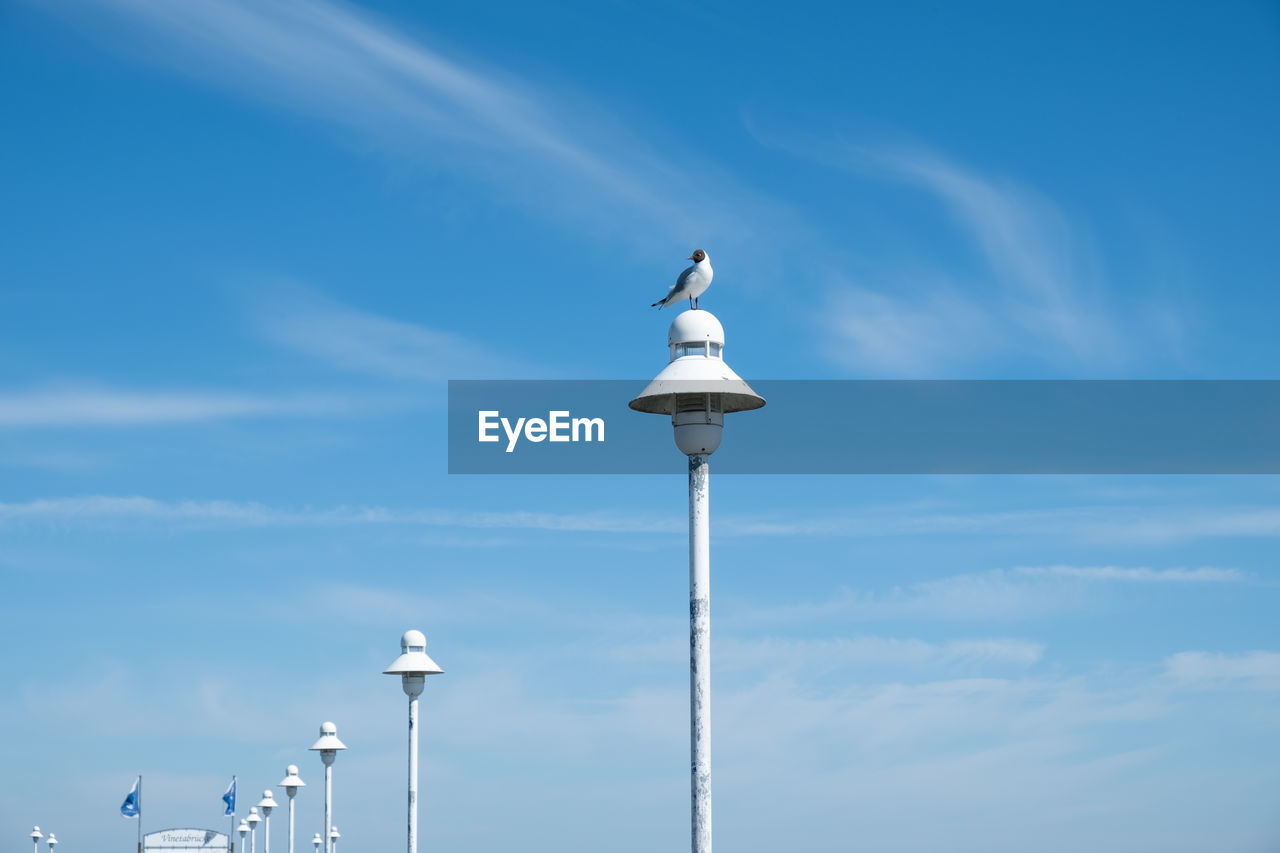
[[691, 282]]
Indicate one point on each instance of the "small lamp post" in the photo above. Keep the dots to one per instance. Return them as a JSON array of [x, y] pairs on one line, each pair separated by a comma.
[[328, 746], [317, 842], [243, 830], [413, 666], [52, 842], [696, 389], [267, 803], [253, 819], [291, 783], [334, 835], [36, 835]]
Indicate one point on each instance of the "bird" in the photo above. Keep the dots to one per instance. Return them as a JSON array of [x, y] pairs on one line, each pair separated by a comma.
[[691, 283]]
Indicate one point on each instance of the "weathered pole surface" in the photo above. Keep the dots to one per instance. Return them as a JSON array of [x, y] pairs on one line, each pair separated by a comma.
[[328, 804], [413, 771], [700, 650]]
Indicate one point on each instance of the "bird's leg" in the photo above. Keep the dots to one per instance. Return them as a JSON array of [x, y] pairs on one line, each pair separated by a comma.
[[691, 305]]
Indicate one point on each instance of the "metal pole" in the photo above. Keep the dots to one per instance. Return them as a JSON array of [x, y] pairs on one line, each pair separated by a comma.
[[290, 823], [232, 831], [266, 833], [328, 806], [700, 649], [413, 774], [253, 839]]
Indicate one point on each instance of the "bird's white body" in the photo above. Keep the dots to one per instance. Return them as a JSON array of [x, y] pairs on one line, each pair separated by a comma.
[[691, 284]]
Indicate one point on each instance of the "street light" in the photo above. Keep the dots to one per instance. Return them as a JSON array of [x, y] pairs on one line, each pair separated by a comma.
[[267, 803], [253, 819], [334, 835], [328, 746], [317, 842], [243, 830], [291, 783], [36, 835], [413, 666], [52, 842], [697, 388]]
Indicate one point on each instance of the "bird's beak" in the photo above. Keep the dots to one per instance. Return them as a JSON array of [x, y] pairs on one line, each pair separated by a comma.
[[689, 258]]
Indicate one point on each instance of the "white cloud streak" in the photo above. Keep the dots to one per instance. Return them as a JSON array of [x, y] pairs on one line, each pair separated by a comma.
[[85, 407], [1107, 524], [368, 343], [338, 63], [1038, 289], [1255, 668]]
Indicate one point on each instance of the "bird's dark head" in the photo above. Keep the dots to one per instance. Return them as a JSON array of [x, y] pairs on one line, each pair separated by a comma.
[[698, 256]]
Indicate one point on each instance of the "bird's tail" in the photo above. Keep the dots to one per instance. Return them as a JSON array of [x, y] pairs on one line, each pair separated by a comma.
[[660, 304]]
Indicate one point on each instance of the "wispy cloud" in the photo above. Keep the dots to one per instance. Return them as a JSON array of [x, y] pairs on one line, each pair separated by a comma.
[[1039, 289], [1106, 524], [93, 407], [364, 342], [332, 61], [998, 594], [1256, 668], [1110, 523], [102, 508], [1134, 575]]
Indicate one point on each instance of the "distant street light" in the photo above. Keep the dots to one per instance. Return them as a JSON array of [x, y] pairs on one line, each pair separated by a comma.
[[696, 389], [291, 783], [334, 835], [253, 819], [328, 746], [317, 842], [267, 803], [413, 666], [52, 842], [243, 830], [36, 835]]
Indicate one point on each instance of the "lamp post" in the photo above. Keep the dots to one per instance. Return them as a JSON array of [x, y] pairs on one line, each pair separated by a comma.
[[52, 842], [696, 389], [253, 819], [243, 830], [328, 746], [291, 783], [334, 835], [36, 835], [317, 842], [267, 803], [413, 666]]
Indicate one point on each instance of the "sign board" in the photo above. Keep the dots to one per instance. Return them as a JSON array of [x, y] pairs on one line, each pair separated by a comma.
[[185, 841]]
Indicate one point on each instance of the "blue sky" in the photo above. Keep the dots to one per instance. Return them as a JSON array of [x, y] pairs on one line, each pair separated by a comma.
[[246, 243]]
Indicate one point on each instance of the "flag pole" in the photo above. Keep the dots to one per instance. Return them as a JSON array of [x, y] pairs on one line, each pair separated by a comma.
[[139, 813], [231, 830]]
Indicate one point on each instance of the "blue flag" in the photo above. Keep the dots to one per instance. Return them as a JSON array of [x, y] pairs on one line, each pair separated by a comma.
[[230, 797], [129, 808]]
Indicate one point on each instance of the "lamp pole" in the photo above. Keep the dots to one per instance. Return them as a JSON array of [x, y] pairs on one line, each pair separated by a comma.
[[267, 803], [413, 666], [243, 830], [334, 835], [254, 819], [52, 842], [36, 835], [291, 783], [316, 842], [696, 389], [328, 746]]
